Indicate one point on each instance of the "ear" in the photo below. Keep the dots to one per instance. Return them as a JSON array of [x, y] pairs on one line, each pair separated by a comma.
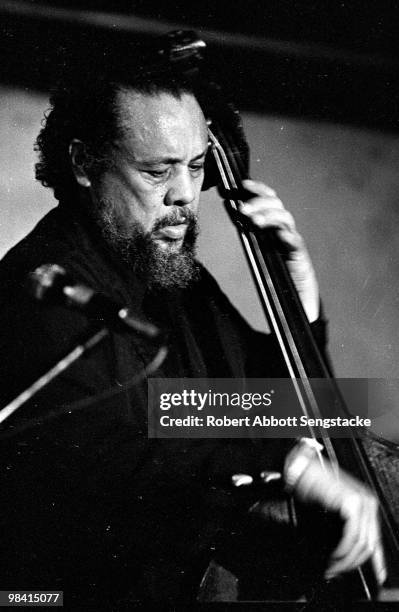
[[77, 153]]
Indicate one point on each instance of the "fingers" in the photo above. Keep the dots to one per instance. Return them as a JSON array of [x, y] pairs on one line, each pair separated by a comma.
[[266, 210], [264, 197], [379, 564], [360, 534], [277, 218], [260, 189], [361, 537]]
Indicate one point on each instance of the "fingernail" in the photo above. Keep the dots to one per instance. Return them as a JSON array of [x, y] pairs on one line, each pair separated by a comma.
[[240, 480], [267, 476]]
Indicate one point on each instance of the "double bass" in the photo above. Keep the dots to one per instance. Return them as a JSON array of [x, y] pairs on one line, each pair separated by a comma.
[[365, 456]]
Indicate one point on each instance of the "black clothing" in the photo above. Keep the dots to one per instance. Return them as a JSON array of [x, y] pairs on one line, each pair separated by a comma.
[[89, 504]]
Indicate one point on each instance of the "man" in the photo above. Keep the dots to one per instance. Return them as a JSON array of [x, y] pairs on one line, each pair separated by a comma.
[[90, 505]]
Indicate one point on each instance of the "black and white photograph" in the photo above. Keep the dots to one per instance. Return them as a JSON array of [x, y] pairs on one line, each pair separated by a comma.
[[199, 291]]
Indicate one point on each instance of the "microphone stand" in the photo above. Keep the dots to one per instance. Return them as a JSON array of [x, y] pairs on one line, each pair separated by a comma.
[[59, 367]]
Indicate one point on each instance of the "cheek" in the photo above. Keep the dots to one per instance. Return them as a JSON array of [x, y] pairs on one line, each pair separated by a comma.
[[144, 205], [134, 201]]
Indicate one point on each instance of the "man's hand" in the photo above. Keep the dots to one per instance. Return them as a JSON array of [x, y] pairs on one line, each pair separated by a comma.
[[339, 492], [265, 210]]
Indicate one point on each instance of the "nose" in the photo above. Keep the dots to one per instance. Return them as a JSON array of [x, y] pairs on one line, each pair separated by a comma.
[[181, 190]]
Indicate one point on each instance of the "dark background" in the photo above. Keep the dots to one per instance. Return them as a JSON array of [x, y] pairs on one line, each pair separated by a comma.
[[332, 60]]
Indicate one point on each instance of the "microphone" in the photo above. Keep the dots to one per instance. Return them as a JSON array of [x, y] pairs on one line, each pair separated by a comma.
[[51, 283]]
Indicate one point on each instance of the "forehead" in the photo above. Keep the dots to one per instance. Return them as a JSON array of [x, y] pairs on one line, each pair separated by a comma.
[[161, 123]]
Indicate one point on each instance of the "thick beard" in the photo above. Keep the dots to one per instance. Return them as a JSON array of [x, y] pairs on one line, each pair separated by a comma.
[[159, 268]]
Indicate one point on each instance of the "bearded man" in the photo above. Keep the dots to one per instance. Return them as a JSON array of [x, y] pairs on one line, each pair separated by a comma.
[[90, 505]]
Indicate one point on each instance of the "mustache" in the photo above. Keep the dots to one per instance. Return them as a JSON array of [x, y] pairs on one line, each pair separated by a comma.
[[176, 217]]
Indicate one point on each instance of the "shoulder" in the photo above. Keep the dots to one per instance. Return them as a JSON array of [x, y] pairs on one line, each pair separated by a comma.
[[34, 335], [49, 241], [69, 239]]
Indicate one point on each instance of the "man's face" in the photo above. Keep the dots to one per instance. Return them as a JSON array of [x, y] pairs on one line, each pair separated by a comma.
[[149, 197], [157, 172]]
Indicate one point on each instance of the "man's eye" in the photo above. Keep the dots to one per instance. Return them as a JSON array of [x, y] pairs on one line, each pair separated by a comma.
[[196, 168], [158, 173]]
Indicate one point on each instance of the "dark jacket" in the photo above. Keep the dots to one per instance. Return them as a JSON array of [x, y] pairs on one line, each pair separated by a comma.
[[89, 504]]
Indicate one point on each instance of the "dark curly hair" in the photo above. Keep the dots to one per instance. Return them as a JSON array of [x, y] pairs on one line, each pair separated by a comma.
[[83, 106]]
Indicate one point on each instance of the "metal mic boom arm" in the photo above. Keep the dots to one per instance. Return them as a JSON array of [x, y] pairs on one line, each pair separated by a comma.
[[51, 283], [44, 380]]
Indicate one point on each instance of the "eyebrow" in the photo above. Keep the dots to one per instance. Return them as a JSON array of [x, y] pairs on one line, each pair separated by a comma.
[[169, 160]]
